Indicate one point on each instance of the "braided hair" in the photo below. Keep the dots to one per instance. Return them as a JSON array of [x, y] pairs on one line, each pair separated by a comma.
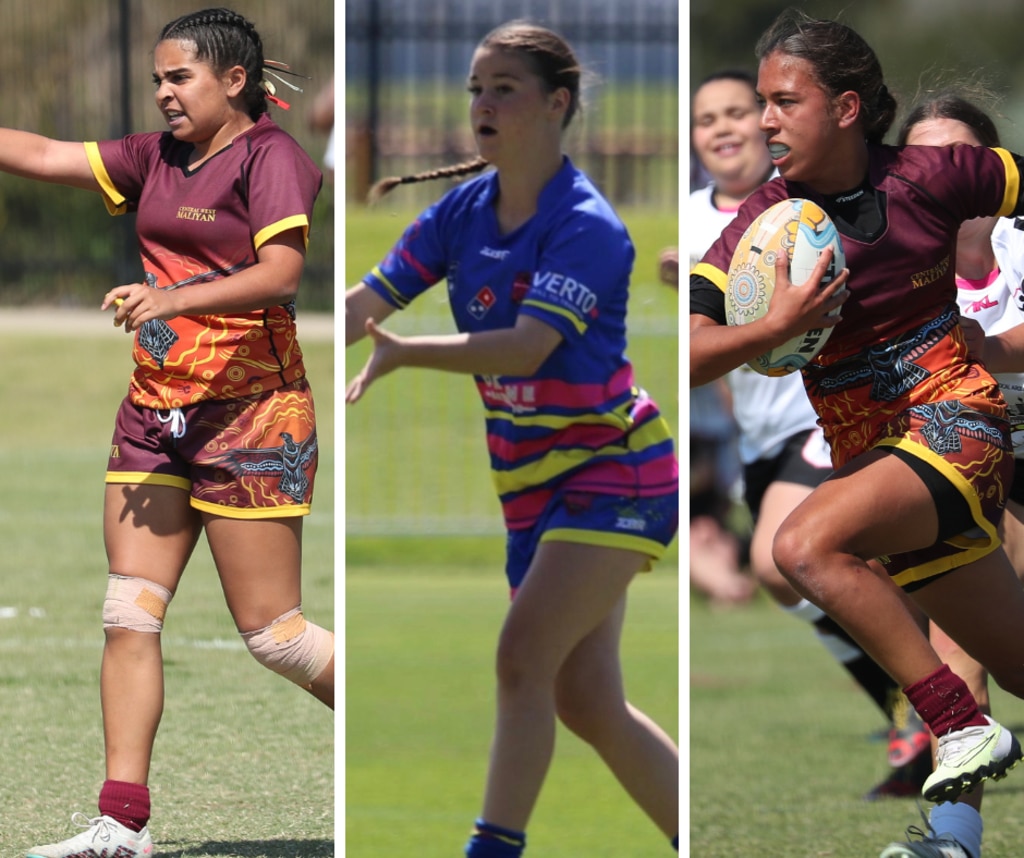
[[225, 39], [552, 60]]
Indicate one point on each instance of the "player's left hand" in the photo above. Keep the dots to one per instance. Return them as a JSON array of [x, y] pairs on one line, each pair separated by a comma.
[[384, 358], [138, 303]]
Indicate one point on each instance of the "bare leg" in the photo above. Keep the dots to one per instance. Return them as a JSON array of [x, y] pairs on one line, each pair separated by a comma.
[[591, 702], [824, 546], [150, 532], [259, 563], [569, 591]]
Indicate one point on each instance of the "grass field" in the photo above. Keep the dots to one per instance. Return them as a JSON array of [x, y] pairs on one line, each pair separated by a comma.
[[781, 748], [422, 617], [244, 761], [423, 613]]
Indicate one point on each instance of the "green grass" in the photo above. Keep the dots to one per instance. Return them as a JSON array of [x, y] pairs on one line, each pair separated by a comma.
[[781, 749], [440, 482], [243, 764], [422, 618]]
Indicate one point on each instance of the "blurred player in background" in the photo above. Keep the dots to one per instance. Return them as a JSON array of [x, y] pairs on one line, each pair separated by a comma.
[[217, 433], [537, 266], [781, 446]]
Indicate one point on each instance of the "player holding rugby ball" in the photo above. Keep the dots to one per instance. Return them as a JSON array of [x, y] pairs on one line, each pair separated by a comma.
[[916, 426]]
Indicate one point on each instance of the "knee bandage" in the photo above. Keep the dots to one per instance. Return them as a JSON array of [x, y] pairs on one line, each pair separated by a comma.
[[290, 646], [135, 604]]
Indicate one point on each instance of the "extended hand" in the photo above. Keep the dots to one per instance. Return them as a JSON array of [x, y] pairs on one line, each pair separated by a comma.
[[384, 358]]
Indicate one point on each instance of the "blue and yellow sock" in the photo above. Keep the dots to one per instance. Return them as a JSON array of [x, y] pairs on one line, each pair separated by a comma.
[[493, 841]]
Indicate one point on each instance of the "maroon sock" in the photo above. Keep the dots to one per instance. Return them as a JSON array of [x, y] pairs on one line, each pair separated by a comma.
[[944, 702], [128, 803]]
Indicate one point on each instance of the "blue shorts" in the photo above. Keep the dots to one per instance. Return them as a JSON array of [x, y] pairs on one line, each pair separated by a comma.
[[646, 525]]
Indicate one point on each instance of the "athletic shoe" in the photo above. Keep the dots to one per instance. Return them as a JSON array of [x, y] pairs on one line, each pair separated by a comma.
[[967, 757], [104, 838], [928, 846], [906, 781], [908, 736]]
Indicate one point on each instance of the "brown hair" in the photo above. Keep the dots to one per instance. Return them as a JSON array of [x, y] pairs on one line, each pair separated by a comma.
[[842, 62], [224, 39], [951, 105], [551, 58]]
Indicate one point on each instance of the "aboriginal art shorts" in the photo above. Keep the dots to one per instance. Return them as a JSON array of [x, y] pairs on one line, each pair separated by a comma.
[[250, 457], [646, 525], [921, 398]]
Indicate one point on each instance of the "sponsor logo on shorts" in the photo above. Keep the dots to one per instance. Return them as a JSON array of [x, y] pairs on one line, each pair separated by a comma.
[[635, 525]]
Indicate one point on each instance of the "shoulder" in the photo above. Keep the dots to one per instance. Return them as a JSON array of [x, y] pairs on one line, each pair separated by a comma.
[[572, 202], [267, 136], [931, 164]]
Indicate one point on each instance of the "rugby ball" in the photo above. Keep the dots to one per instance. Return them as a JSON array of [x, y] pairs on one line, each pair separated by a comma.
[[800, 229]]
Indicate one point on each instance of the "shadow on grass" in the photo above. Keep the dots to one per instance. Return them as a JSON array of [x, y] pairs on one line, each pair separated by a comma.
[[251, 849]]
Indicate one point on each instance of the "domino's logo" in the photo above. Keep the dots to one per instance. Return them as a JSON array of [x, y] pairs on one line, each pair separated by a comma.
[[481, 303]]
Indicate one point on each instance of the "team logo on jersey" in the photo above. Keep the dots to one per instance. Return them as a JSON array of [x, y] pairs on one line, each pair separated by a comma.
[[193, 213], [481, 303], [568, 292]]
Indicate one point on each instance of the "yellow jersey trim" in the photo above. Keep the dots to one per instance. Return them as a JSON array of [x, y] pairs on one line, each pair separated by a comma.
[[276, 228], [1012, 191], [580, 326], [115, 201]]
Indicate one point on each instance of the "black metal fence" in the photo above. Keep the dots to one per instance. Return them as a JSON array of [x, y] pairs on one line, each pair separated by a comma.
[[406, 107], [82, 71]]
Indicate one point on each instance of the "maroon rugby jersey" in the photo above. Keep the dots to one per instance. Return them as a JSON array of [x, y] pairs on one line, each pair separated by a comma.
[[196, 226], [903, 275]]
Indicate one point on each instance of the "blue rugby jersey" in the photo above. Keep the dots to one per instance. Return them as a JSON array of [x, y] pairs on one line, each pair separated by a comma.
[[580, 422]]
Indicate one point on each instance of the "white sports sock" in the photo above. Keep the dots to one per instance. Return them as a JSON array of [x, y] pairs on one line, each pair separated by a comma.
[[961, 822], [840, 649], [804, 610]]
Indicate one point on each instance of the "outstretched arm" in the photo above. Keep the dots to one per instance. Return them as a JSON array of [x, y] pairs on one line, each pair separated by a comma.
[[518, 351], [33, 156], [361, 304]]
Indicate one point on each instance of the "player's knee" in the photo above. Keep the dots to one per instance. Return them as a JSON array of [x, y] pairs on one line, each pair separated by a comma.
[[298, 650], [135, 604], [590, 719], [792, 553], [517, 665]]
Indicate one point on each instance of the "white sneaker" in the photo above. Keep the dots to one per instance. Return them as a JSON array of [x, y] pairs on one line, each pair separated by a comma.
[[927, 847], [967, 757], [104, 838]]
